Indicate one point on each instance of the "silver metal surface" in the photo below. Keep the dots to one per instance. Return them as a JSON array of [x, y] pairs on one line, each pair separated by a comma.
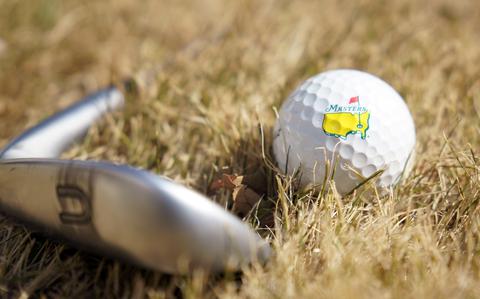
[[128, 213], [52, 137], [114, 210]]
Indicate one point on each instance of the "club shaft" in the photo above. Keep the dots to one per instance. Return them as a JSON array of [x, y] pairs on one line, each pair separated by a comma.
[[53, 136]]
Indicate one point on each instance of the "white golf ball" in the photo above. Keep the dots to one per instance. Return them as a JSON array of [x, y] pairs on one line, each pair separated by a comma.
[[348, 120]]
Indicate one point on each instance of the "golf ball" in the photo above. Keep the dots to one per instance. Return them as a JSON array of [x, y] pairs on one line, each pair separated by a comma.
[[345, 125]]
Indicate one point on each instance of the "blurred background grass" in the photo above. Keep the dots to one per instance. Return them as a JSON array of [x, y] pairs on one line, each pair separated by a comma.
[[209, 111]]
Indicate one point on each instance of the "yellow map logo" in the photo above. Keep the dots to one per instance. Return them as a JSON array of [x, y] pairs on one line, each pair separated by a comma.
[[340, 121]]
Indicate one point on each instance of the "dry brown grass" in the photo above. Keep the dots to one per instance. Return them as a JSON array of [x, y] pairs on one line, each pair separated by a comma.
[[204, 115]]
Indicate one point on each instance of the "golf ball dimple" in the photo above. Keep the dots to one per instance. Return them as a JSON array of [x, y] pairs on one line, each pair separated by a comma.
[[360, 123]]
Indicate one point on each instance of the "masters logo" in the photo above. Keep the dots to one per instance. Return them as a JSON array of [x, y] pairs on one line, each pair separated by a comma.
[[340, 121]]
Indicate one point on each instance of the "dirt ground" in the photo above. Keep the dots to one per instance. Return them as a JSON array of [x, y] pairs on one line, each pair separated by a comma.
[[224, 67]]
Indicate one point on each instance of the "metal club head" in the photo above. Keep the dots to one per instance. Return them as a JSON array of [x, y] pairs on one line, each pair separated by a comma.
[[116, 210]]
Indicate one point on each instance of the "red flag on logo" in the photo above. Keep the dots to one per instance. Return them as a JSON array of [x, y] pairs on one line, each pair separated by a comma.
[[353, 100]]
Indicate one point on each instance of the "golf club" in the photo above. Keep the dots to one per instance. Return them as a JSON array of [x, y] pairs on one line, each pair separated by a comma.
[[118, 211]]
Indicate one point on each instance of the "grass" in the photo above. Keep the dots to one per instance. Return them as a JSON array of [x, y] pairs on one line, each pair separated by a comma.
[[211, 109]]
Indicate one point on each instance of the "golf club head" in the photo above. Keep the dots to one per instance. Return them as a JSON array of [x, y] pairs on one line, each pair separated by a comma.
[[53, 136], [127, 213], [118, 211]]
